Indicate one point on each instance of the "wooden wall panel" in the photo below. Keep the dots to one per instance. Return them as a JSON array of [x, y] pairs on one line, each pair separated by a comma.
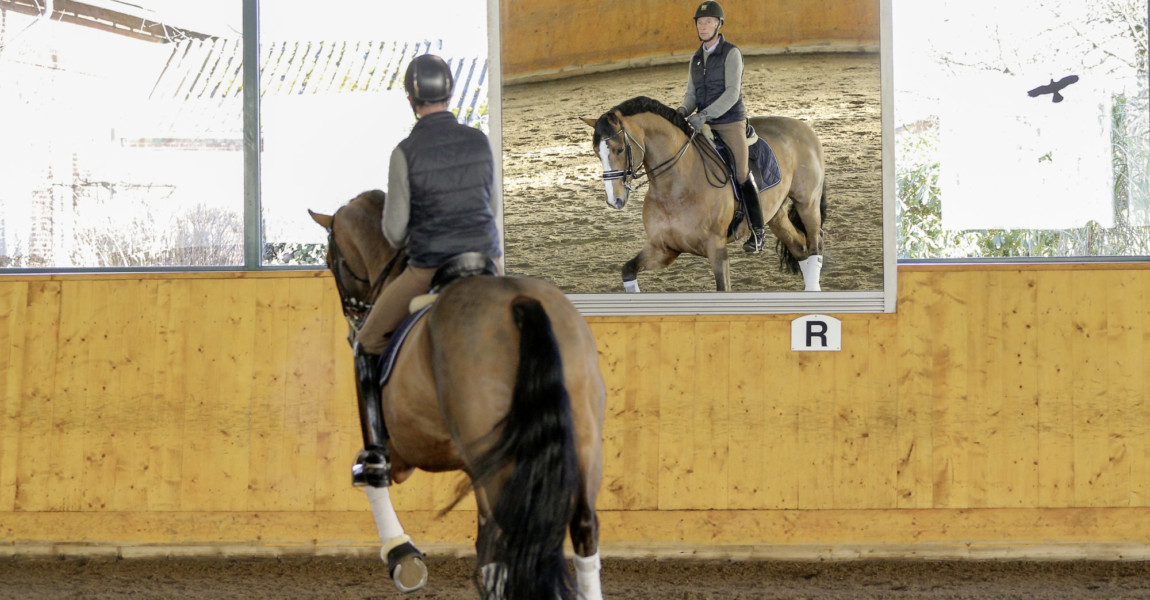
[[547, 37], [158, 401]]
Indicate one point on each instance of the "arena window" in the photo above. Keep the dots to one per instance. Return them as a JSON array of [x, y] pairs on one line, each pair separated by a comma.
[[1022, 131]]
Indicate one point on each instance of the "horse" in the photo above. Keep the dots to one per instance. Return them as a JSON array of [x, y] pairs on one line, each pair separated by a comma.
[[500, 378], [690, 203]]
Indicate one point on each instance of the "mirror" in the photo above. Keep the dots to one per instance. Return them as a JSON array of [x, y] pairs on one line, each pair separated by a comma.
[[817, 62]]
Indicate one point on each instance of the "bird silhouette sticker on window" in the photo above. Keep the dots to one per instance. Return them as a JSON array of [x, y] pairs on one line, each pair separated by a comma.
[[1054, 87]]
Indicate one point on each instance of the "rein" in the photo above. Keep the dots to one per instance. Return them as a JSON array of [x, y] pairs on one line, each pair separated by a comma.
[[716, 172], [354, 309]]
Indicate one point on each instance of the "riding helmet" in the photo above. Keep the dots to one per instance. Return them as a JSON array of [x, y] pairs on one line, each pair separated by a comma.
[[710, 8], [428, 79]]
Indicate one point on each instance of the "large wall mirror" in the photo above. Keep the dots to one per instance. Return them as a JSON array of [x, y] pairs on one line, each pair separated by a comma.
[[824, 63]]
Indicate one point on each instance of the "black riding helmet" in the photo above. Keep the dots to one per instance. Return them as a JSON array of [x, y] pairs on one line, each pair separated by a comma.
[[428, 79], [709, 8]]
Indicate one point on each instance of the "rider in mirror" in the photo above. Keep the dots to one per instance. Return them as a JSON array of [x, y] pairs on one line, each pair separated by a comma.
[[715, 91], [438, 206]]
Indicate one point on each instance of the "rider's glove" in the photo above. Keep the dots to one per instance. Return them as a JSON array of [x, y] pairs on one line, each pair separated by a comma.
[[696, 120]]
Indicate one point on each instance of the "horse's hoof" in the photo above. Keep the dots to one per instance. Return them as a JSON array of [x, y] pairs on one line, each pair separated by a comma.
[[408, 571]]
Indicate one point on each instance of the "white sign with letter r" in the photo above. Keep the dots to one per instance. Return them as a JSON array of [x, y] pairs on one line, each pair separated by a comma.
[[816, 333]]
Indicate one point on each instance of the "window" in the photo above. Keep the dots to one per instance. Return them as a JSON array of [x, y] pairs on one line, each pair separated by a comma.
[[333, 106], [1021, 129], [122, 137], [123, 124]]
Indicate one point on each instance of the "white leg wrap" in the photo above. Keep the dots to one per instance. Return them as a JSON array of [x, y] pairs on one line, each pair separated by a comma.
[[812, 267], [587, 577], [631, 287], [386, 521]]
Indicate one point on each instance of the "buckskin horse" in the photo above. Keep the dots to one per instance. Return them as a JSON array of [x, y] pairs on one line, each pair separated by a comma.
[[690, 202], [499, 378]]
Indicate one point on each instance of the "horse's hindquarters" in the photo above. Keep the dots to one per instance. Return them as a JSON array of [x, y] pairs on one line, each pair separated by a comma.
[[476, 350]]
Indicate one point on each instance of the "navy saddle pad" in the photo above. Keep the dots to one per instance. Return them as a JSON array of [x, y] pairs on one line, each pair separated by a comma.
[[387, 359]]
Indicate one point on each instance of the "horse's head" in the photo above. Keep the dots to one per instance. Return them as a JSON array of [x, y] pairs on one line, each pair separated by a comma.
[[359, 257], [616, 147]]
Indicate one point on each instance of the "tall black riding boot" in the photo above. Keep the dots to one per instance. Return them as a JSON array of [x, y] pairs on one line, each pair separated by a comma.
[[373, 465], [754, 243]]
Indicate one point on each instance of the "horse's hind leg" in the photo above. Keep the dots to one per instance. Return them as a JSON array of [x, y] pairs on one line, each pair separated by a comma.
[[811, 214], [649, 258], [802, 249], [585, 540], [720, 264]]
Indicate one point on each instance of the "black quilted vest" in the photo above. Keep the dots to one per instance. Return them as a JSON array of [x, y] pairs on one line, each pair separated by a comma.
[[710, 81], [450, 170]]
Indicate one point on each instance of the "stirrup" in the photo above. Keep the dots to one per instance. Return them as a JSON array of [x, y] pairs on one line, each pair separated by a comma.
[[372, 468], [755, 242]]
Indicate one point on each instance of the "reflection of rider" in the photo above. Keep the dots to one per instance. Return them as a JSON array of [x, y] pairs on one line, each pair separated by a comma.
[[715, 89], [438, 205]]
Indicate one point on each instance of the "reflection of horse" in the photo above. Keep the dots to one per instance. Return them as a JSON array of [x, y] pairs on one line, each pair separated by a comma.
[[690, 202], [500, 378]]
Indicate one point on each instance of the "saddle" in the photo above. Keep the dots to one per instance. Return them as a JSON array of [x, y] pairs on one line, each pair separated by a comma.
[[458, 267], [761, 161], [762, 166]]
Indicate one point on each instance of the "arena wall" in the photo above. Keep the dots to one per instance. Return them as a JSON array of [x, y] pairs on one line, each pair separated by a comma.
[[1002, 411], [550, 38]]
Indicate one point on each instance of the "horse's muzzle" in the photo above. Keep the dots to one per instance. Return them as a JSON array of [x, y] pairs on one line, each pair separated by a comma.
[[616, 203]]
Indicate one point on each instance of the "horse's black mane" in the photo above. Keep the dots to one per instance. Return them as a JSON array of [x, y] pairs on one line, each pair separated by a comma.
[[634, 106]]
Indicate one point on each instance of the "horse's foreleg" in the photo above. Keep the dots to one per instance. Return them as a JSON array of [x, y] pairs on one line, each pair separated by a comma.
[[650, 257], [404, 562]]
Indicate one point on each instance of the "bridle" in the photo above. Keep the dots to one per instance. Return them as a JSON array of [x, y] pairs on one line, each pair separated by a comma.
[[355, 310], [717, 175]]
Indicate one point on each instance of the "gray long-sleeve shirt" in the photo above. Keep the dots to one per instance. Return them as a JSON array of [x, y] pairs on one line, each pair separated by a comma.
[[397, 209], [733, 75]]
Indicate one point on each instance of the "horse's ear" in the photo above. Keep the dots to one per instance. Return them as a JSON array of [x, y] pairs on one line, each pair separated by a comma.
[[323, 220], [590, 122]]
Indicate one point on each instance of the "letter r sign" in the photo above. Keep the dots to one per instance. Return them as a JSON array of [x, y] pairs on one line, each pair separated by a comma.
[[816, 333]]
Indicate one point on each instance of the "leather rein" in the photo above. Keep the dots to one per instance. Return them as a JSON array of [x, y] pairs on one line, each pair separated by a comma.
[[716, 171], [354, 309]]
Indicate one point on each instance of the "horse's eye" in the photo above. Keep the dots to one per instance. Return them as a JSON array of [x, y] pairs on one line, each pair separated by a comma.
[[619, 150]]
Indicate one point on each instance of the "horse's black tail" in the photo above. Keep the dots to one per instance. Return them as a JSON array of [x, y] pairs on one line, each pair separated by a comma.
[[535, 504], [787, 261]]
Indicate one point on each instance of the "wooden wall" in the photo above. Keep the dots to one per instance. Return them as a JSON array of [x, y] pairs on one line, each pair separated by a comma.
[[1000, 407], [543, 38]]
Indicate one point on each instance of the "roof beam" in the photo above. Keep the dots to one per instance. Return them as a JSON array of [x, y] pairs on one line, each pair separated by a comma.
[[69, 11]]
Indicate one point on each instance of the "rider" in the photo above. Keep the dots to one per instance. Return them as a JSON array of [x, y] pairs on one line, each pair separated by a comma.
[[438, 206], [715, 89]]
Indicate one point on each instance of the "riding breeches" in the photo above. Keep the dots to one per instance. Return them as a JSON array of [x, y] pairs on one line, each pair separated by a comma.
[[734, 135], [392, 306]]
